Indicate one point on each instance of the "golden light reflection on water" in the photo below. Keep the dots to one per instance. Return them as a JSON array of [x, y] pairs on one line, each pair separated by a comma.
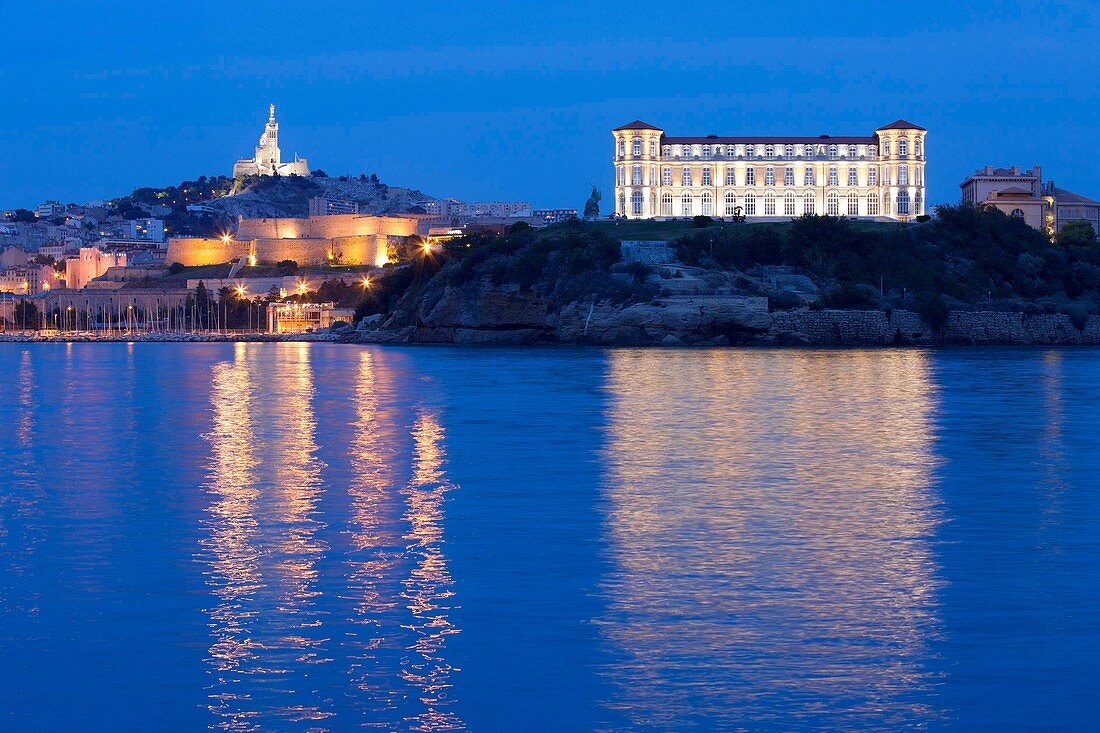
[[427, 590], [785, 518], [262, 546]]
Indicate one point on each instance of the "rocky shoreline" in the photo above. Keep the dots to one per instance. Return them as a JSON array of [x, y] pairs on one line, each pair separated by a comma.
[[499, 318]]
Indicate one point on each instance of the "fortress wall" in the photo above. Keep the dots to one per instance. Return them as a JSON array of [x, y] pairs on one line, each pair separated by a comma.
[[193, 251], [361, 250], [302, 251], [324, 227]]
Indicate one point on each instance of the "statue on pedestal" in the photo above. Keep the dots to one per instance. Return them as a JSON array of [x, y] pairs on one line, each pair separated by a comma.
[[592, 205]]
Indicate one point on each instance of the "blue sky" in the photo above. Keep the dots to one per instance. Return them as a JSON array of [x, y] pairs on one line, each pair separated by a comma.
[[487, 101]]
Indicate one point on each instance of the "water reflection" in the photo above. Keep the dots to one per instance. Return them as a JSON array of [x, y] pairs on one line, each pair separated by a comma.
[[769, 539], [262, 546]]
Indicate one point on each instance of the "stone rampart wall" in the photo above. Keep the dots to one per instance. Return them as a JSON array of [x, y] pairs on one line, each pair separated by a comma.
[[194, 251]]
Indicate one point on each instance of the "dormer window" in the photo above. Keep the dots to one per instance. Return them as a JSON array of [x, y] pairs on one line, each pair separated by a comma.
[[851, 151], [769, 152], [750, 151], [832, 152], [706, 151], [788, 151]]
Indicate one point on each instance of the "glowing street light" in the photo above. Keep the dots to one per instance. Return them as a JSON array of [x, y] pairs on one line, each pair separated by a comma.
[[241, 291], [227, 238], [302, 286], [366, 282]]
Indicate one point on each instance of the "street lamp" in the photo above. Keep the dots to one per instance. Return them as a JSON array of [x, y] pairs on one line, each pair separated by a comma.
[[366, 282]]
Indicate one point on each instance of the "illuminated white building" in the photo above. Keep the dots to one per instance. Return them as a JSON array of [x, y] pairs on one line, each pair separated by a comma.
[[292, 317], [89, 264], [880, 176], [268, 159]]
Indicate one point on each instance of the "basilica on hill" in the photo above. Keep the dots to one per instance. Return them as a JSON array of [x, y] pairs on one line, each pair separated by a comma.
[[268, 159]]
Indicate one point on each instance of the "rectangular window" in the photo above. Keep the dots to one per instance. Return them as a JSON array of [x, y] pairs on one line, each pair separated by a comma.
[[666, 206], [750, 176], [636, 175], [685, 205], [731, 177], [809, 179], [685, 177], [853, 205], [788, 205], [833, 180], [872, 176], [872, 205], [706, 176], [853, 179], [903, 176], [666, 178], [886, 180], [769, 176], [769, 205], [788, 177]]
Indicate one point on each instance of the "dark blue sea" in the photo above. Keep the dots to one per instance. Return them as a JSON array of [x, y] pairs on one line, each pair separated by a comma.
[[296, 537]]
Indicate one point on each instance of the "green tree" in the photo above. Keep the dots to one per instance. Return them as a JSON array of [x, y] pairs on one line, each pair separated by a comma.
[[1076, 233]]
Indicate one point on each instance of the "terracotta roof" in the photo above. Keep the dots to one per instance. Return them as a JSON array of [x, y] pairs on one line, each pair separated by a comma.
[[716, 140], [902, 125], [1063, 196], [636, 125], [1014, 191]]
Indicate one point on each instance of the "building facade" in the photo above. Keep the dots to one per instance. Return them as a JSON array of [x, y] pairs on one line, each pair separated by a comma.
[[1024, 194], [268, 159], [880, 176], [321, 206], [90, 263]]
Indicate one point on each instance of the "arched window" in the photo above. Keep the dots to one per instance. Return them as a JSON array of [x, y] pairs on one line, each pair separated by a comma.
[[685, 205], [731, 203], [622, 148], [917, 147], [731, 177], [872, 153], [621, 178], [853, 204], [872, 204], [808, 180], [918, 204], [851, 151], [685, 151], [809, 203], [769, 204], [706, 152], [685, 176], [788, 203], [769, 151], [903, 175], [808, 151], [886, 148], [636, 146], [750, 176], [833, 179], [903, 203], [833, 204], [750, 150], [872, 176], [636, 203], [666, 204], [653, 148], [903, 148], [636, 175], [788, 151], [853, 178], [750, 204], [708, 204], [788, 176], [832, 152], [769, 176], [666, 152], [706, 175]]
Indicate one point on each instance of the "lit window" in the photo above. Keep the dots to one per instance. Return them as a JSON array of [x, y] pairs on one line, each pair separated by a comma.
[[636, 203], [788, 204], [852, 177], [621, 179], [833, 204], [917, 147], [788, 151], [685, 205], [750, 204], [653, 148], [731, 177], [636, 175], [708, 204], [903, 203], [872, 176], [637, 146], [885, 175], [622, 148], [886, 148], [750, 176], [808, 151], [809, 204], [750, 150], [808, 180], [652, 175], [769, 152], [851, 151], [903, 149], [853, 204], [917, 175], [788, 176], [685, 177], [769, 204], [666, 152], [832, 152], [666, 176], [903, 176], [666, 205], [833, 180], [706, 176], [731, 204], [871, 153], [769, 176], [872, 204]]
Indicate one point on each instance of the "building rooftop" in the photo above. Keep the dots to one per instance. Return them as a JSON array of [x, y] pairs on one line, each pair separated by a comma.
[[902, 125], [1063, 196], [770, 140], [636, 125]]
